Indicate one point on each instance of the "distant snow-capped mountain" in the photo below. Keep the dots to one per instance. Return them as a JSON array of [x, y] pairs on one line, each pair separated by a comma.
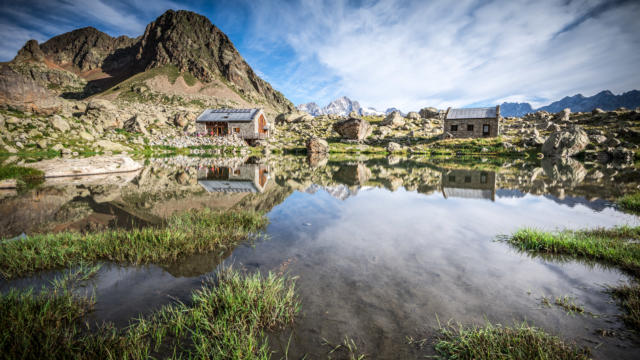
[[342, 106], [604, 100]]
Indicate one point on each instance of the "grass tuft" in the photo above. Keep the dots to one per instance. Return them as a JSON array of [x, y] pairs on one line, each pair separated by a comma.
[[628, 297], [26, 177], [225, 320], [185, 234], [499, 342], [630, 202]]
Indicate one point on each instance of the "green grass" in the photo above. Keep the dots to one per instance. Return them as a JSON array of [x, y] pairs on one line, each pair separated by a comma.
[[189, 233], [26, 177], [630, 202], [225, 319], [500, 342], [616, 246], [628, 297]]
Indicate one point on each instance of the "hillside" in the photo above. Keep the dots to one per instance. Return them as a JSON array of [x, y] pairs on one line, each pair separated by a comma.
[[604, 100], [181, 55]]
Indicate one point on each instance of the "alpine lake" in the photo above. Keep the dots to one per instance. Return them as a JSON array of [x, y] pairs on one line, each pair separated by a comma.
[[384, 250]]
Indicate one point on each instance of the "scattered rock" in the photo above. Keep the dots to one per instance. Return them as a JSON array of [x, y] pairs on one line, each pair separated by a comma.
[[317, 146], [429, 112], [412, 115], [85, 136], [135, 125], [59, 123], [394, 119], [597, 111], [565, 143], [563, 116], [42, 144], [111, 146], [8, 184], [394, 147], [353, 128]]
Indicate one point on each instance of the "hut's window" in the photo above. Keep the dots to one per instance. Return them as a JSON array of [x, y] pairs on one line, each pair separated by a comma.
[[467, 179], [236, 172], [454, 127], [470, 127], [483, 178], [237, 130], [452, 178]]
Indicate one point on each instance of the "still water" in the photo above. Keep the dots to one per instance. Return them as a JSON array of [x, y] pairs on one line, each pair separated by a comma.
[[383, 249]]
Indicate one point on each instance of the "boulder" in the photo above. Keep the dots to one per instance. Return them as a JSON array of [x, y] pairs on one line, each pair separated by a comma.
[[85, 136], [182, 119], [135, 125], [394, 147], [59, 124], [317, 146], [24, 93], [110, 146], [429, 112], [293, 117], [562, 116], [565, 143], [100, 105], [394, 119], [412, 115], [598, 139], [353, 128], [597, 111], [85, 166]]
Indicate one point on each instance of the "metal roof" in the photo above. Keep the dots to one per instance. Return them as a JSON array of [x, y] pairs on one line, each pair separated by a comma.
[[230, 115], [467, 193], [228, 186], [472, 113]]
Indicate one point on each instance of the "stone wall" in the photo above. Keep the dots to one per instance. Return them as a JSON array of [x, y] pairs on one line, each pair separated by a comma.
[[477, 124]]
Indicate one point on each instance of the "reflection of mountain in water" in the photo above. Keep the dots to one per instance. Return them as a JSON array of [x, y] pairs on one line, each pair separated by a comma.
[[240, 178], [341, 192]]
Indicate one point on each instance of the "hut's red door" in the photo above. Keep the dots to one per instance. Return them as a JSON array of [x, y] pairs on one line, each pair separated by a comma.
[[217, 128], [262, 124]]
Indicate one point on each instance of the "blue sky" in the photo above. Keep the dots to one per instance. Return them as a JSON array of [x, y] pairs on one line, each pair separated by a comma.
[[405, 54]]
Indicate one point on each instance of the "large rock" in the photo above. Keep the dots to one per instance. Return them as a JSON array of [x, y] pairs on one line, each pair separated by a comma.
[[317, 146], [100, 105], [412, 115], [394, 147], [394, 119], [353, 128], [135, 125], [110, 146], [95, 165], [60, 124], [25, 94], [293, 117], [562, 116], [565, 143], [182, 119], [429, 112]]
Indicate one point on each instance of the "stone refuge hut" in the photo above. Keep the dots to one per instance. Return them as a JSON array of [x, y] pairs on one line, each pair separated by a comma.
[[472, 122], [248, 124], [245, 178]]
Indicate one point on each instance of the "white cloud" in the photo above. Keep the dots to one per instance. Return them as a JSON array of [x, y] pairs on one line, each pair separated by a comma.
[[409, 55]]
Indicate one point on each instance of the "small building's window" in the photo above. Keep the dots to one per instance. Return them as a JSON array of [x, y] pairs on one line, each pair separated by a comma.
[[454, 127], [467, 179], [237, 130], [483, 177], [236, 172], [452, 178], [470, 127], [485, 130]]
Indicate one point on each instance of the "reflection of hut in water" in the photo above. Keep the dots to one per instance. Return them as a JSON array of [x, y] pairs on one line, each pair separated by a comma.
[[241, 178], [469, 184]]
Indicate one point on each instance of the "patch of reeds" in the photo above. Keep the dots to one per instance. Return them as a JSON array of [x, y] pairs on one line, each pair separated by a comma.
[[617, 246], [184, 234], [225, 319], [521, 341]]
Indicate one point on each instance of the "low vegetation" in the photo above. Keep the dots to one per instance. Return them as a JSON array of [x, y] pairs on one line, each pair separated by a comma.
[[224, 320], [630, 202], [188, 233], [618, 246], [25, 177], [500, 342]]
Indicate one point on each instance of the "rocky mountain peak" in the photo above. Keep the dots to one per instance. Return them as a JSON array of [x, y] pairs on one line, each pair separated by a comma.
[[30, 52]]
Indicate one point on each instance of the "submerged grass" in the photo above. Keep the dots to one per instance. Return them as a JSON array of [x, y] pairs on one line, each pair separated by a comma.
[[521, 341], [185, 234], [630, 202], [225, 320], [618, 246]]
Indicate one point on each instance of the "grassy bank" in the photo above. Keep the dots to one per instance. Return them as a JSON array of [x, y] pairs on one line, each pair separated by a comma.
[[225, 319], [630, 202], [498, 342], [618, 246], [189, 233]]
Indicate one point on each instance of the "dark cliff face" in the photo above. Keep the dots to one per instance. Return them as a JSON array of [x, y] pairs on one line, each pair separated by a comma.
[[181, 38], [88, 49]]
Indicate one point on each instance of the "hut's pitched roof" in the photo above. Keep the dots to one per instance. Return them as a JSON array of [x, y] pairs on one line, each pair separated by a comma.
[[472, 113], [229, 115], [228, 186]]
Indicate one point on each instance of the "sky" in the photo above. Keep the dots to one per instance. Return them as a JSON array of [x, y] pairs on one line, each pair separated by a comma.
[[388, 53]]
